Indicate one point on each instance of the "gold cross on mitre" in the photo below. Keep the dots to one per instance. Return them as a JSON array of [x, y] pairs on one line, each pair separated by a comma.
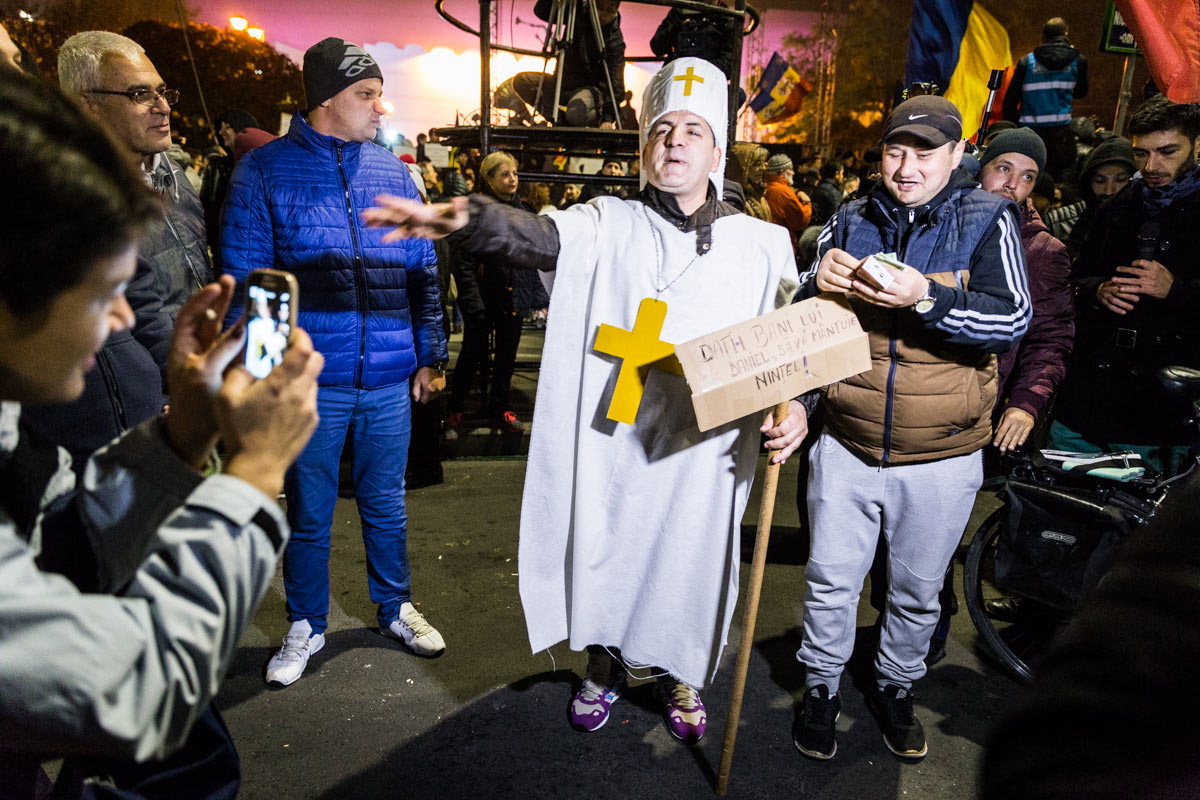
[[688, 76], [639, 350]]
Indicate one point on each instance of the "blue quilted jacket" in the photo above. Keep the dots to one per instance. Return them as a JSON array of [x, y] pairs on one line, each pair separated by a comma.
[[372, 309]]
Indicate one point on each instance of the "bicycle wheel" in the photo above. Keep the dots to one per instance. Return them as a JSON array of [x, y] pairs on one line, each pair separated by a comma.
[[1018, 643]]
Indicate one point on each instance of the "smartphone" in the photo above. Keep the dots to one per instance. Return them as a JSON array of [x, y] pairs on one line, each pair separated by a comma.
[[272, 298]]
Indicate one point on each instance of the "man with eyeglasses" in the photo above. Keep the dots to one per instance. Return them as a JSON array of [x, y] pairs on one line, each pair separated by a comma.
[[117, 83], [119, 87]]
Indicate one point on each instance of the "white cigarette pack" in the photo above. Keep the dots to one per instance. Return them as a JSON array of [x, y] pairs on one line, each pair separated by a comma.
[[875, 273], [875, 270]]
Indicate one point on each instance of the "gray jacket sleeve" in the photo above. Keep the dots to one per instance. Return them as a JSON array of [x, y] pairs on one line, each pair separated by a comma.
[[518, 238], [127, 675]]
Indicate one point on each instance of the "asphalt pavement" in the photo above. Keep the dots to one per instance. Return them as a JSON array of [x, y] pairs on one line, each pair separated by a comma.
[[488, 718]]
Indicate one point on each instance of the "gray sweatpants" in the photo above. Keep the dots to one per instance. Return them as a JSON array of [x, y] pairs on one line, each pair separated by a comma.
[[922, 511]]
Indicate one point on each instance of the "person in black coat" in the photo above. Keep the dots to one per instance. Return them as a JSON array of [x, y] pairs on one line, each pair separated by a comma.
[[591, 79], [685, 33], [220, 168], [494, 298], [827, 195], [122, 390], [1137, 313]]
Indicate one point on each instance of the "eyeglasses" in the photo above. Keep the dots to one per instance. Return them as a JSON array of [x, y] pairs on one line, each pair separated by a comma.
[[145, 97]]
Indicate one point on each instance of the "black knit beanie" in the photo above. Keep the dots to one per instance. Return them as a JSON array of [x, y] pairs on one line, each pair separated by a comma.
[[1016, 140], [331, 65]]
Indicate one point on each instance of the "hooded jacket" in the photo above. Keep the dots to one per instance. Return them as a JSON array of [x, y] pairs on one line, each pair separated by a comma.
[[1075, 221], [932, 383], [165, 570], [1044, 84], [371, 308]]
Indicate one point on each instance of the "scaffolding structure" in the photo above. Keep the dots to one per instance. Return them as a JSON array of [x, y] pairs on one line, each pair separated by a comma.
[[549, 143], [826, 82], [756, 58]]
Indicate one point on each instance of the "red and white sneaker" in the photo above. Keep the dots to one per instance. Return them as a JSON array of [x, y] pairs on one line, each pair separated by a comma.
[[453, 428], [508, 423]]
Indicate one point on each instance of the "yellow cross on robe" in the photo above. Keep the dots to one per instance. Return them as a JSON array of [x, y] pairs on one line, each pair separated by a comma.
[[639, 350], [688, 76]]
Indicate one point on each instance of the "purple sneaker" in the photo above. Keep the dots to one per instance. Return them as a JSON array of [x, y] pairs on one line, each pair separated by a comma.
[[589, 708], [683, 710]]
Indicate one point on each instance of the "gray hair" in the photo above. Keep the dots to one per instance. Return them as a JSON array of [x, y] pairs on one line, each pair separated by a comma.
[[80, 56]]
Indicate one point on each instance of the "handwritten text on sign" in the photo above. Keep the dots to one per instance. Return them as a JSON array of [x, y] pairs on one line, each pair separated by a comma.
[[754, 365]]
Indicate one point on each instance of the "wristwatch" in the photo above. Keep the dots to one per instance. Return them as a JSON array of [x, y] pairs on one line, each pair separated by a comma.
[[924, 302], [440, 366]]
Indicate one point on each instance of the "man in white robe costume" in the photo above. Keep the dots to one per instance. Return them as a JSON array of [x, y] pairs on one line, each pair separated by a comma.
[[630, 533]]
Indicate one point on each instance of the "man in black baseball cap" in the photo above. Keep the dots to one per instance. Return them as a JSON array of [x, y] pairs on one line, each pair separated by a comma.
[[928, 126], [932, 119], [900, 454]]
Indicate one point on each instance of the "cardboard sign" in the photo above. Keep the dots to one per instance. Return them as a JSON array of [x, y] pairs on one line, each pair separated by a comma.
[[758, 363], [438, 155]]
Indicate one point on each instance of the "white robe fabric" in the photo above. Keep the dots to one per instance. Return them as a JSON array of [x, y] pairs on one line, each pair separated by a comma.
[[630, 534]]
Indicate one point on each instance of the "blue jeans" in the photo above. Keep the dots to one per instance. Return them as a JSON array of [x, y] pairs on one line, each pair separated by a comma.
[[379, 422]]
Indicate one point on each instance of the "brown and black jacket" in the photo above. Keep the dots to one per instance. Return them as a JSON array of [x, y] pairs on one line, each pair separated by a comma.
[[932, 383]]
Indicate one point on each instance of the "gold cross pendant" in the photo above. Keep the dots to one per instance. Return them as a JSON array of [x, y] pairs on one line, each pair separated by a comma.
[[639, 350]]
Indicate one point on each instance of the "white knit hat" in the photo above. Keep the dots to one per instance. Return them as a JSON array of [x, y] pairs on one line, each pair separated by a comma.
[[688, 84]]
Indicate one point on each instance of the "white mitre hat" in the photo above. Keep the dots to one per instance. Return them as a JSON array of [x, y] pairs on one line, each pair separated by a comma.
[[688, 84]]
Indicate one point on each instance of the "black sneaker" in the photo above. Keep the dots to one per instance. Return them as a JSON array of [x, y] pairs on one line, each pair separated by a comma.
[[813, 732], [892, 707]]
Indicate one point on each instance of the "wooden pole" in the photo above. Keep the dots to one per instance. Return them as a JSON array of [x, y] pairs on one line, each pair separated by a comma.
[[1126, 92], [757, 566]]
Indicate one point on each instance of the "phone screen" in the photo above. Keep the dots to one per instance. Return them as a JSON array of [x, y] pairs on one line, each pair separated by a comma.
[[267, 329]]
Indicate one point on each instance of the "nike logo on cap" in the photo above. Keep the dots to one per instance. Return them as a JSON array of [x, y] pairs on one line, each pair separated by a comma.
[[917, 116]]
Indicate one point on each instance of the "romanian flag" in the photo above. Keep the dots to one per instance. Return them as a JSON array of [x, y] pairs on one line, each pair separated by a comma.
[[781, 92], [956, 44], [1168, 32]]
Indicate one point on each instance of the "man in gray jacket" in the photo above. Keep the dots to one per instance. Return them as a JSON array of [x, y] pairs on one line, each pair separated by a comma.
[[118, 85], [122, 599]]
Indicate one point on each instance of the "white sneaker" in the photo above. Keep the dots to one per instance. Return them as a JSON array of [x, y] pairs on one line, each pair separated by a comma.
[[286, 666], [414, 630]]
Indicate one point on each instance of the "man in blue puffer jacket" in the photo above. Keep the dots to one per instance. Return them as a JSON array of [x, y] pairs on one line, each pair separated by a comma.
[[372, 311]]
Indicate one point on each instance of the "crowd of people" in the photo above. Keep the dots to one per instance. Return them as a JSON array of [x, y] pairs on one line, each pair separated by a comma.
[[1035, 298]]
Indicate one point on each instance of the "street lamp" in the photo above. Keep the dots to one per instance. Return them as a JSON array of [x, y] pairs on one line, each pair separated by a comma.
[[238, 23], [255, 33]]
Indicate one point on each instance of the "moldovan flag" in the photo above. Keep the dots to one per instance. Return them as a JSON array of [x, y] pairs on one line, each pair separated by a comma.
[[956, 44], [781, 92], [1168, 32]]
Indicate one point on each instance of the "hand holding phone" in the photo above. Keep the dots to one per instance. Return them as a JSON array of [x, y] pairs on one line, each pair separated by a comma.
[[272, 298]]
